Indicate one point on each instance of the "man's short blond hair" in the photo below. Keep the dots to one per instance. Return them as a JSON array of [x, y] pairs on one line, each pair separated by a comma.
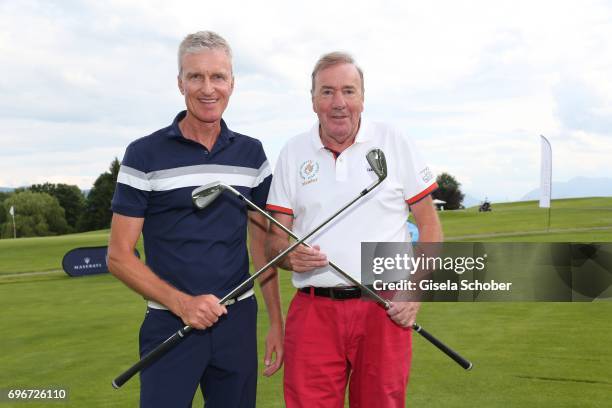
[[202, 40], [334, 58]]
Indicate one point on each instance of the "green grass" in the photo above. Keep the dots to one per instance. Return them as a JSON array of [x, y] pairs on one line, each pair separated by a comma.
[[69, 332], [82, 332], [577, 213], [45, 254], [579, 236], [525, 354]]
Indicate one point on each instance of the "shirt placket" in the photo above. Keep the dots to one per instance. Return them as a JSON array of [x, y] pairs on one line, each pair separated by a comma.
[[342, 165]]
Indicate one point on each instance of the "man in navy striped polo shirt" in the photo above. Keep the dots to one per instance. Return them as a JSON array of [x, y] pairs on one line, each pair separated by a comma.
[[195, 257]]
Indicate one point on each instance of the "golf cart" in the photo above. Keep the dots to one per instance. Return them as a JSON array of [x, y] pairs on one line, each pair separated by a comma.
[[485, 206]]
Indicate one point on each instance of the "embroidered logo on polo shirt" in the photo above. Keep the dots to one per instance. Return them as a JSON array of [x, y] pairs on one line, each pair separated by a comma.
[[426, 174], [309, 171]]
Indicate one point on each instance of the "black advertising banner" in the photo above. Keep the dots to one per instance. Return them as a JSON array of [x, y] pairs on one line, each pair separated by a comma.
[[488, 272], [87, 261]]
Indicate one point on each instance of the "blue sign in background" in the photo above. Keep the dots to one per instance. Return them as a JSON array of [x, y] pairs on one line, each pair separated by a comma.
[[414, 232], [87, 261]]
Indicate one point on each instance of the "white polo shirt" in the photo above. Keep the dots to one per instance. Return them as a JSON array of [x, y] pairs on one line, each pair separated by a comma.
[[311, 184]]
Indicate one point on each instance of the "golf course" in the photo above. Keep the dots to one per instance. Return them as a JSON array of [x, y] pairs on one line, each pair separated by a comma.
[[80, 333]]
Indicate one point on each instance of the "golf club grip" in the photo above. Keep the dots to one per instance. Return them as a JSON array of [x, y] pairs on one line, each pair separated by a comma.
[[155, 354], [443, 347]]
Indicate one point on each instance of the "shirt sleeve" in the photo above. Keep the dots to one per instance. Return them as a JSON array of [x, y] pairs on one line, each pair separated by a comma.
[[133, 187], [417, 178], [280, 198], [261, 185]]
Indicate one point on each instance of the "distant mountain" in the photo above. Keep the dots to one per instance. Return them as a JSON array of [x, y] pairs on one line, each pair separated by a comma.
[[576, 187]]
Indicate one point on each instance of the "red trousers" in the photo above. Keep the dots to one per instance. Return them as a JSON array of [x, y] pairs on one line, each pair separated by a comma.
[[329, 343]]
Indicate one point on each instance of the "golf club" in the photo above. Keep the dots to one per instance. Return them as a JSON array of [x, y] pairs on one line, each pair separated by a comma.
[[202, 198], [375, 158], [204, 195]]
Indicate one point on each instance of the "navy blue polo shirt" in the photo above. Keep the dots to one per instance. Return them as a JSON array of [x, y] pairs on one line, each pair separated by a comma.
[[196, 251]]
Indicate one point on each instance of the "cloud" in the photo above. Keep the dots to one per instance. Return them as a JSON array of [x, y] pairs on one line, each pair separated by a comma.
[[582, 107], [474, 83]]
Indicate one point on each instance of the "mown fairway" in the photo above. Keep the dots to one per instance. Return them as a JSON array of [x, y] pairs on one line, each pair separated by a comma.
[[80, 333], [589, 219]]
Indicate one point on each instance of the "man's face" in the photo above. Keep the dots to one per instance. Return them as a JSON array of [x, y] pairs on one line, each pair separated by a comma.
[[338, 102], [206, 81]]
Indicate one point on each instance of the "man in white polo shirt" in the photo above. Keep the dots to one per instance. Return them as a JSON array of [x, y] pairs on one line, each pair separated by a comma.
[[331, 333]]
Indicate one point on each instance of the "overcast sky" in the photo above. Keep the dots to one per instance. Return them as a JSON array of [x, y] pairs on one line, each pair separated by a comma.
[[474, 83]]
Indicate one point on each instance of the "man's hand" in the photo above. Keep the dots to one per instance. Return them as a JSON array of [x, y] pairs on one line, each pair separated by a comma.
[[201, 311], [404, 313], [273, 359], [301, 258], [304, 259]]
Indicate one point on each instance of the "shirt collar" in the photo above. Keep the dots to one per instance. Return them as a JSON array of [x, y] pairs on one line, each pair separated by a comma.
[[175, 132], [363, 134]]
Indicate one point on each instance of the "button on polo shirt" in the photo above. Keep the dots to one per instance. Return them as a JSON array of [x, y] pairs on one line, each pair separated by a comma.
[[197, 251]]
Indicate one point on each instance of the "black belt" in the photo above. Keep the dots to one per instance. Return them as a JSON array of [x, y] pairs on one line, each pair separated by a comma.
[[338, 293]]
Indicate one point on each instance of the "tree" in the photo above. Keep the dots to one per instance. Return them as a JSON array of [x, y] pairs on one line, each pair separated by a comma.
[[3, 214], [70, 198], [448, 190], [36, 214], [97, 214]]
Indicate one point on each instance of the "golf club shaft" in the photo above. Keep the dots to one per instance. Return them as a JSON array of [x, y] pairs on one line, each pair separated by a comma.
[[354, 281], [163, 348], [156, 353], [433, 340], [238, 290]]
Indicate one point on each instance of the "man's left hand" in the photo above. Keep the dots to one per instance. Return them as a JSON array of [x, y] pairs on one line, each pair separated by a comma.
[[273, 359], [404, 313]]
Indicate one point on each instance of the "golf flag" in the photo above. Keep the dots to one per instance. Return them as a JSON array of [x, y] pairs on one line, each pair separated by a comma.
[[545, 173], [12, 211]]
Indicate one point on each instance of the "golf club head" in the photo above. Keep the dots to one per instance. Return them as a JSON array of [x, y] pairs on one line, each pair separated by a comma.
[[231, 189], [376, 159], [206, 194]]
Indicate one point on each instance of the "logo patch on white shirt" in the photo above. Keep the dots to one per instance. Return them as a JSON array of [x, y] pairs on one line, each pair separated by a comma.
[[308, 171], [426, 174]]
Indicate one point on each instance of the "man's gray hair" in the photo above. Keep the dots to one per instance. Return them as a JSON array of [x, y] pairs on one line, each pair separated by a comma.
[[202, 40], [335, 58]]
